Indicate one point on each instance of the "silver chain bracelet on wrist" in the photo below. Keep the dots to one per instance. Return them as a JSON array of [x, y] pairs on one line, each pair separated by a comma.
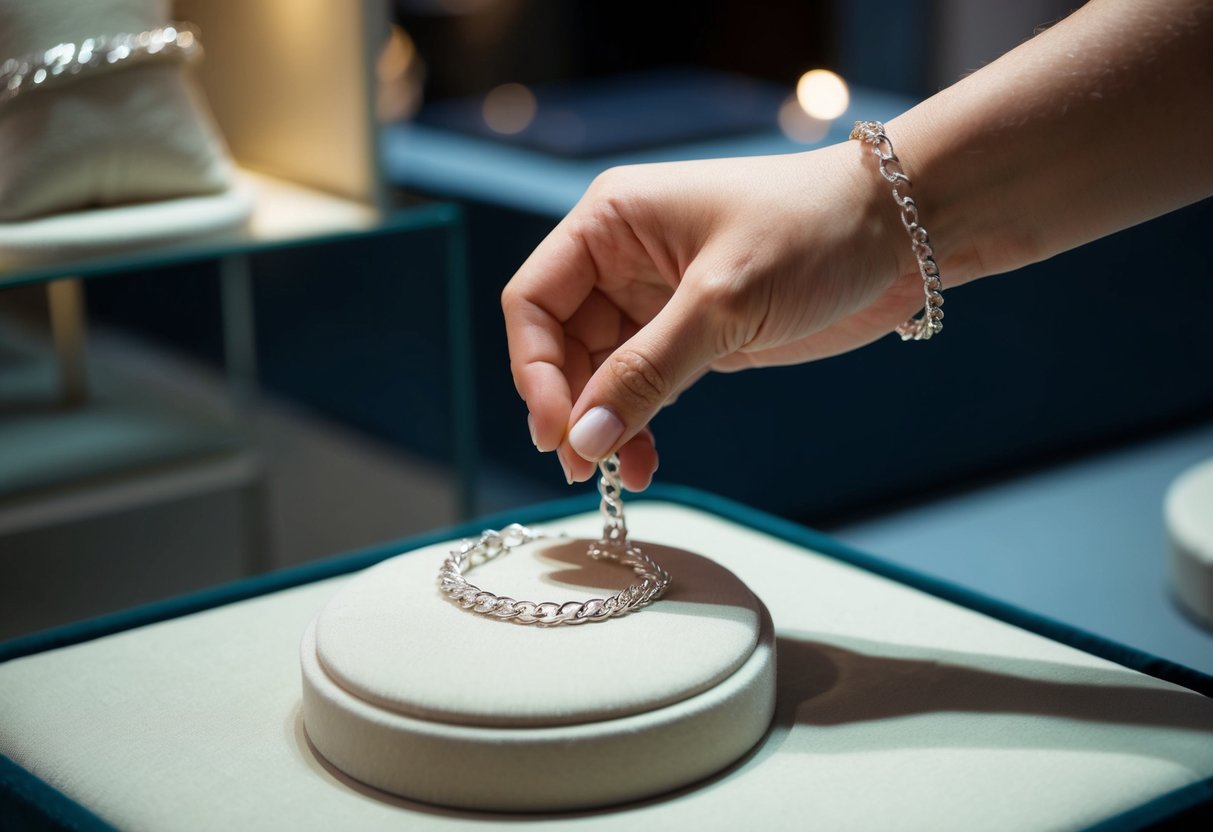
[[92, 56], [614, 546], [931, 321]]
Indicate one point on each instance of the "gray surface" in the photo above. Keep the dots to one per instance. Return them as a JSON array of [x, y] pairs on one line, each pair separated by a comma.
[[193, 527], [1084, 543], [123, 425]]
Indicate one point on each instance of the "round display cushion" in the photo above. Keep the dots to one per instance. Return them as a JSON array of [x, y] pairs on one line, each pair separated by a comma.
[[1189, 516], [407, 692]]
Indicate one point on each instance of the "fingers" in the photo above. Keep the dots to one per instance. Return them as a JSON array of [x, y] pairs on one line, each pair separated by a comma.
[[599, 341], [545, 389], [638, 461], [546, 291], [635, 381]]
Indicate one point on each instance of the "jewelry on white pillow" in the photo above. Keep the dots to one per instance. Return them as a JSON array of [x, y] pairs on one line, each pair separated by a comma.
[[614, 546], [97, 101], [92, 56]]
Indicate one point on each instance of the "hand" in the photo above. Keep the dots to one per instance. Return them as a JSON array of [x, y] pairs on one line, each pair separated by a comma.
[[663, 272]]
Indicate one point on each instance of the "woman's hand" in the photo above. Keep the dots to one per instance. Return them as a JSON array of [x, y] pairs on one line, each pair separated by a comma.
[[663, 272]]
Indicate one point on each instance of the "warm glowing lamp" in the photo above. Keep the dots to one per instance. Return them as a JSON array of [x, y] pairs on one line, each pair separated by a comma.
[[822, 94]]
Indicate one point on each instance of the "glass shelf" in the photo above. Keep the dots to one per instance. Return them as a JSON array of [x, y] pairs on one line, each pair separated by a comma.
[[285, 214], [339, 331]]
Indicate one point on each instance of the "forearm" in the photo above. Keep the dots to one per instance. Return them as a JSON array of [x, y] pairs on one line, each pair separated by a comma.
[[1100, 122]]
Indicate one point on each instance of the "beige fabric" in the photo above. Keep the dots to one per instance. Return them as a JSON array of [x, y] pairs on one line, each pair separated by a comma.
[[1189, 514], [567, 766], [383, 639], [131, 135], [631, 707], [896, 711]]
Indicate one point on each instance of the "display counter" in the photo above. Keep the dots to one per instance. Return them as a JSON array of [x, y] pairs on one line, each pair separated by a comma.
[[902, 702]]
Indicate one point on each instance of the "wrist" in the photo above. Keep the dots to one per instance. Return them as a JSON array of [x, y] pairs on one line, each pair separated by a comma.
[[929, 323], [881, 240], [959, 198]]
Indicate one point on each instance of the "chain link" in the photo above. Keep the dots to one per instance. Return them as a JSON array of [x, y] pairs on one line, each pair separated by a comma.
[[931, 321], [65, 61], [614, 546], [614, 526]]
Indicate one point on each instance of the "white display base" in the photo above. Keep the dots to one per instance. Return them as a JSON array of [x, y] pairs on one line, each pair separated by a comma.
[[1189, 514], [411, 694], [80, 234], [258, 208]]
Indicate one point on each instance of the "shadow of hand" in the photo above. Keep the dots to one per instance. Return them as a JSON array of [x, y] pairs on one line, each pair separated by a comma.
[[858, 695]]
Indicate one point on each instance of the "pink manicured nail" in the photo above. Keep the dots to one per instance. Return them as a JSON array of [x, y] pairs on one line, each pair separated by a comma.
[[568, 478], [530, 424], [595, 434]]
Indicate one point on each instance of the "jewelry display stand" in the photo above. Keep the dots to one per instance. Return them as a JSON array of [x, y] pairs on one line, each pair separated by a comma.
[[414, 695], [895, 708], [118, 148], [1189, 516], [131, 143]]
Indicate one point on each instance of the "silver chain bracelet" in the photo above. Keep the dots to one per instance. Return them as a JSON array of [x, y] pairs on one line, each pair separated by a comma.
[[614, 546], [931, 321], [92, 56]]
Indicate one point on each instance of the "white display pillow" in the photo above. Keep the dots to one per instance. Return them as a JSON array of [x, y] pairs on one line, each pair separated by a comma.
[[78, 234], [126, 136]]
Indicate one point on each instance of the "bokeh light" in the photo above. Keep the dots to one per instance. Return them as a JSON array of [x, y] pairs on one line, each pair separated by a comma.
[[822, 94], [400, 73], [509, 109]]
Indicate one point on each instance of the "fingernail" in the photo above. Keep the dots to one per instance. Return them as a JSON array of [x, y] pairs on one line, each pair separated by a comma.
[[595, 434], [568, 478], [530, 424]]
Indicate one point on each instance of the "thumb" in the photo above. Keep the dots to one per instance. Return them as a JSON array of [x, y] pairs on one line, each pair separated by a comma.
[[639, 377]]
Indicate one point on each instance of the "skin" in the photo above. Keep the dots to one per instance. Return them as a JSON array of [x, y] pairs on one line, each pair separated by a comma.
[[664, 272]]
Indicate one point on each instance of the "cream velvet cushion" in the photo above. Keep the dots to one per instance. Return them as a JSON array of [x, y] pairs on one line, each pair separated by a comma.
[[133, 134], [895, 710], [407, 692]]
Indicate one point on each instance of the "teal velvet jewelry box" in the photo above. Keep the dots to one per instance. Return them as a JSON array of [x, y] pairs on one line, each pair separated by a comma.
[[902, 702]]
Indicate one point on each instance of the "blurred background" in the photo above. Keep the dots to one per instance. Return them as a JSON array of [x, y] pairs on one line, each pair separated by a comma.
[[332, 375]]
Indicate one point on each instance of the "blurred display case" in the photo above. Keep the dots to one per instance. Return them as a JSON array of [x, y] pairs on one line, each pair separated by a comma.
[[185, 411], [197, 413]]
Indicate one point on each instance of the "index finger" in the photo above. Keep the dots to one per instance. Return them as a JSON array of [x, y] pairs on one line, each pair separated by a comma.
[[545, 292]]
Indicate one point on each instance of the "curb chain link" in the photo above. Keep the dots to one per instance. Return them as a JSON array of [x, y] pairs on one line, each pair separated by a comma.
[[614, 546], [931, 321]]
